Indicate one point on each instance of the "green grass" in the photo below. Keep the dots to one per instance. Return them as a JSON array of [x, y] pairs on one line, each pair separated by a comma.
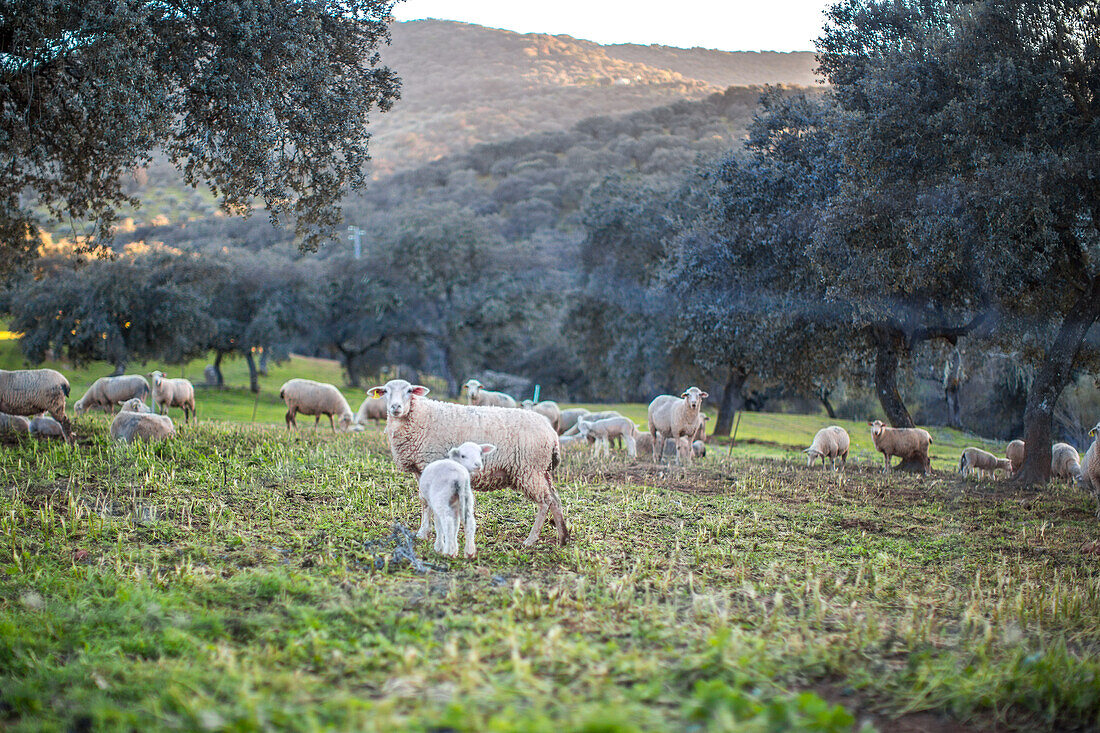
[[220, 581]]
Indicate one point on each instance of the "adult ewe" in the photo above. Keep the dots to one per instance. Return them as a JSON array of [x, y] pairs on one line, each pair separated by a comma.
[[421, 431], [31, 392], [1065, 462], [673, 417], [477, 395], [135, 422], [548, 409], [1090, 467], [909, 444], [106, 392], [832, 443], [1016, 452], [173, 393], [316, 398]]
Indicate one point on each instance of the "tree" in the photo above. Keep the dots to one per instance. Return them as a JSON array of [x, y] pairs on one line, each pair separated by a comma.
[[993, 107], [262, 100]]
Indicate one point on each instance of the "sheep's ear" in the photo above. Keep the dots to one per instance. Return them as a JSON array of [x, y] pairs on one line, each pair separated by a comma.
[[703, 395], [419, 390], [487, 448], [376, 392], [453, 453], [684, 394]]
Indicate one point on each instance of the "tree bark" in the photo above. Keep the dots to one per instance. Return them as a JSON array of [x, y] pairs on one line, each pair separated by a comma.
[[952, 380], [120, 369], [253, 374], [1053, 376], [887, 344], [448, 372], [731, 400], [263, 361], [824, 397], [219, 380]]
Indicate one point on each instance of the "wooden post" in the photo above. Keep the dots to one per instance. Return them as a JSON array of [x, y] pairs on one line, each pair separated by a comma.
[[733, 440]]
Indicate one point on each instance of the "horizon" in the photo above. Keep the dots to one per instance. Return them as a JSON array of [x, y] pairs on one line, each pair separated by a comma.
[[786, 26]]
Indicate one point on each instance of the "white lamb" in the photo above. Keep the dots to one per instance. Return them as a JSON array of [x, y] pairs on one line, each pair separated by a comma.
[[173, 393], [421, 431], [476, 394], [445, 493], [602, 432]]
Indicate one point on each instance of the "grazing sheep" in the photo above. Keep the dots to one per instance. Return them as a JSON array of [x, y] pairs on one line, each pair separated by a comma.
[[1065, 462], [672, 417], [569, 418], [130, 425], [136, 405], [1090, 467], [699, 449], [45, 426], [832, 443], [421, 431], [548, 409], [477, 395], [445, 492], [14, 424], [590, 417], [602, 432], [173, 393], [1016, 452], [30, 392], [106, 392], [976, 459], [371, 409], [906, 443], [316, 398]]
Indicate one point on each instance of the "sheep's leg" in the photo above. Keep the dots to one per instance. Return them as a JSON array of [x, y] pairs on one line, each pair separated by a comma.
[[631, 447], [540, 518], [886, 463], [290, 418], [658, 446], [331, 424], [558, 517], [316, 423], [66, 426], [424, 530]]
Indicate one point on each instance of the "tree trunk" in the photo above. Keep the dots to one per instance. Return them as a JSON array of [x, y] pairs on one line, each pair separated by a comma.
[[263, 362], [253, 375], [731, 400], [887, 343], [448, 373], [823, 395], [219, 380], [120, 369], [952, 380], [1053, 376]]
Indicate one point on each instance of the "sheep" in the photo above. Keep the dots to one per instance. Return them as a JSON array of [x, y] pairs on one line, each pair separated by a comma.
[[371, 409], [30, 392], [421, 431], [605, 430], [1016, 452], [130, 425], [548, 409], [1090, 467], [1065, 462], [477, 395], [106, 392], [701, 430], [316, 398], [832, 443], [569, 418], [699, 449], [673, 417], [445, 492], [571, 442], [590, 417], [678, 449], [906, 443], [976, 459], [135, 405], [44, 426], [173, 393], [14, 424]]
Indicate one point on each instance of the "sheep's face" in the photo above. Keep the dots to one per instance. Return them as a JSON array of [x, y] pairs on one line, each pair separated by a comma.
[[811, 455], [469, 455], [156, 378], [80, 408], [399, 395], [1095, 430], [472, 387], [344, 422], [583, 428], [877, 426], [694, 397], [528, 404]]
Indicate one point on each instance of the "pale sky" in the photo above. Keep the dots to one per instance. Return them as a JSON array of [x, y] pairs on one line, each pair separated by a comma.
[[734, 25]]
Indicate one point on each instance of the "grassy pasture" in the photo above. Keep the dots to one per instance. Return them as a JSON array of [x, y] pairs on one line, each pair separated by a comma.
[[220, 581]]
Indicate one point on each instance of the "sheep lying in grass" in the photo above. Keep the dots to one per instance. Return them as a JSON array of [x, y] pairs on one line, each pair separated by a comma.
[[45, 427], [909, 444], [1016, 452], [548, 409], [673, 417], [1090, 467], [569, 418], [106, 392], [30, 392], [135, 421], [477, 395], [173, 393], [1065, 462], [680, 449], [421, 431], [371, 409], [316, 398], [699, 449], [602, 432], [976, 459], [832, 443], [14, 424], [445, 493]]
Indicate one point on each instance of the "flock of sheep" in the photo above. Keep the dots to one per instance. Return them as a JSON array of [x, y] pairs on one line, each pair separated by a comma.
[[492, 442]]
